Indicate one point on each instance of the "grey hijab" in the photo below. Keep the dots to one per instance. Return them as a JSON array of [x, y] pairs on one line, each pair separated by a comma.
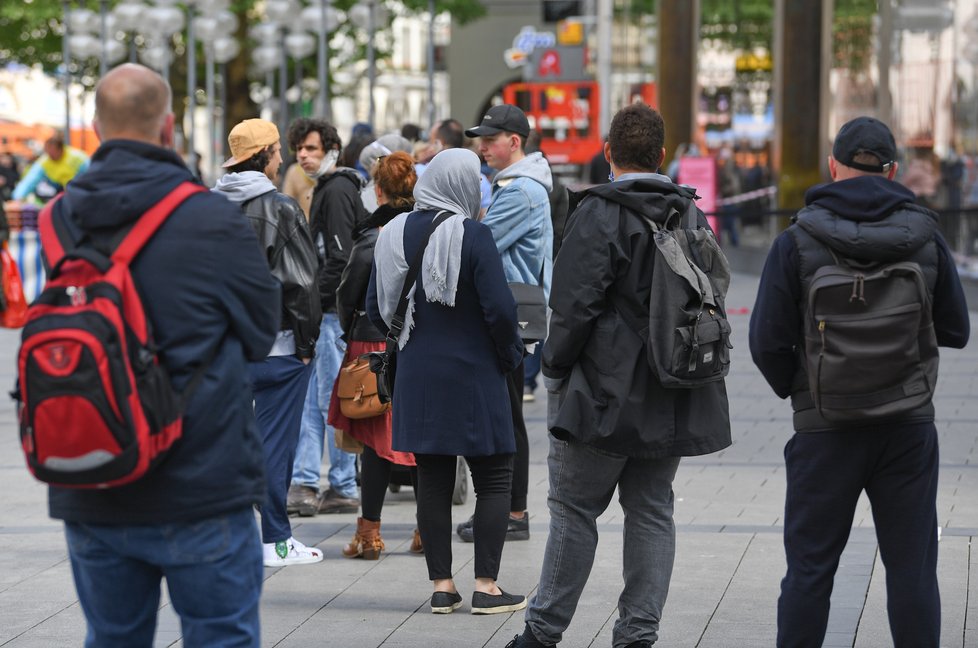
[[450, 183]]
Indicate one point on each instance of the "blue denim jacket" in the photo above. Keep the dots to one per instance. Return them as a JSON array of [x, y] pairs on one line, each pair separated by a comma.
[[519, 218]]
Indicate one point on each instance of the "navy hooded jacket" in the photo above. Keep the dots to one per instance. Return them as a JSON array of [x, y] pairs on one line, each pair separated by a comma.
[[208, 294], [776, 327]]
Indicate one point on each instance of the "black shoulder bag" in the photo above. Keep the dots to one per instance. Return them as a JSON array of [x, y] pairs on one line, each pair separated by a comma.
[[384, 363]]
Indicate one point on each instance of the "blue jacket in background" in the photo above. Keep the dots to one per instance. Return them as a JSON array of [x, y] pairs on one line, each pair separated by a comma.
[[519, 218], [208, 293]]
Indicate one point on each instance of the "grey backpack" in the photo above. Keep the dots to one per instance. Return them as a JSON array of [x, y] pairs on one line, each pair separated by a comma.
[[687, 333], [870, 345]]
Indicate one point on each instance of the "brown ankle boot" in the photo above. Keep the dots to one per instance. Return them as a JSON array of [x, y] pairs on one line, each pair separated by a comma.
[[366, 542], [416, 546]]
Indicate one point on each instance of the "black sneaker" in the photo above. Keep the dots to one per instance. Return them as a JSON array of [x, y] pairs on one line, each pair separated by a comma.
[[640, 644], [528, 640], [445, 602], [483, 603], [515, 530]]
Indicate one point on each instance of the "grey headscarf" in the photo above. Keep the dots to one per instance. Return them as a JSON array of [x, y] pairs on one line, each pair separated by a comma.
[[450, 183]]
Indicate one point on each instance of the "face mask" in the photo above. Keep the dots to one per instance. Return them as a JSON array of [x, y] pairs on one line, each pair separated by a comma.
[[329, 161]]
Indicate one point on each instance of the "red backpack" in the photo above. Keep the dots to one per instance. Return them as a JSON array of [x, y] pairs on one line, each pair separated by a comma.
[[97, 409]]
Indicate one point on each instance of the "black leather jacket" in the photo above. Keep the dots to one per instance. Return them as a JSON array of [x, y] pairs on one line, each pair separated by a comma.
[[352, 291], [284, 237]]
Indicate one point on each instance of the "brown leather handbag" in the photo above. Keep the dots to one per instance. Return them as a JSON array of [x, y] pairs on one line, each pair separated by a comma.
[[357, 390]]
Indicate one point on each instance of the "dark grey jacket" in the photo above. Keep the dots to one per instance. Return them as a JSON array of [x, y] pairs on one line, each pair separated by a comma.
[[609, 396]]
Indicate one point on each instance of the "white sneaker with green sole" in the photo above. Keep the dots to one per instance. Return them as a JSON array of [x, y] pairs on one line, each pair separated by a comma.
[[289, 552]]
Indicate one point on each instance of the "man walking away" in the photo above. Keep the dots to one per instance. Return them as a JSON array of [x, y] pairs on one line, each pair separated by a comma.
[[519, 218], [861, 220], [336, 208], [279, 381], [613, 424], [210, 299]]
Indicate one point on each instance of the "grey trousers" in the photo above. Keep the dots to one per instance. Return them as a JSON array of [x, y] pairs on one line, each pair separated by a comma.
[[582, 482]]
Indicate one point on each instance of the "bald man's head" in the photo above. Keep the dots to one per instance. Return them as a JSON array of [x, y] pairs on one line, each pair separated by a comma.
[[133, 102]]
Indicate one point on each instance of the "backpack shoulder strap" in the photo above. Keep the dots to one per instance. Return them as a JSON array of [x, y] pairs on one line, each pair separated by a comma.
[[52, 241], [150, 222]]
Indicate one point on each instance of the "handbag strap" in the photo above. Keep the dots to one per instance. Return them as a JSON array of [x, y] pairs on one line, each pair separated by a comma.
[[397, 321]]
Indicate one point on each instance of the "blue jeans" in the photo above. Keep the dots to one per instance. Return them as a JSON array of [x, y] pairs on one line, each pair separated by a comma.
[[213, 570], [314, 430], [582, 482], [279, 384]]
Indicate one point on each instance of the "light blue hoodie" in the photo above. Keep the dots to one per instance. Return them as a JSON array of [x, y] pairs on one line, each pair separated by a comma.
[[519, 217]]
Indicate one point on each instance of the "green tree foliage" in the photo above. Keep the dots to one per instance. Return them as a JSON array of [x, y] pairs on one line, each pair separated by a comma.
[[852, 34], [30, 32], [743, 24]]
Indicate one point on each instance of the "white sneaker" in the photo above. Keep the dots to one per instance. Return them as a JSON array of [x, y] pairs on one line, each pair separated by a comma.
[[289, 552]]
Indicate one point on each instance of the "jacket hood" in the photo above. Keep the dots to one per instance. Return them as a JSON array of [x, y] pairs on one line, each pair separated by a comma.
[[125, 179], [242, 187], [868, 217], [649, 196], [864, 198], [345, 173], [533, 166]]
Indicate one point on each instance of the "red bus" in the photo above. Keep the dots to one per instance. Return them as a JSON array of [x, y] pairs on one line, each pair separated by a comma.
[[565, 113]]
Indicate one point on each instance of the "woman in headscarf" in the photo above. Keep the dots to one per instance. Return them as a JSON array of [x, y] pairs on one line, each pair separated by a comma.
[[459, 341], [393, 185]]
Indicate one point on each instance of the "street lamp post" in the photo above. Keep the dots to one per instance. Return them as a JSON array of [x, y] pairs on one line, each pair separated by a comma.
[[215, 28], [366, 15], [299, 45], [129, 16], [431, 62], [322, 19], [66, 64]]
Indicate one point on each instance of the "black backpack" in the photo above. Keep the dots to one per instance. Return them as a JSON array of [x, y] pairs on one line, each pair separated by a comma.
[[687, 333], [870, 346]]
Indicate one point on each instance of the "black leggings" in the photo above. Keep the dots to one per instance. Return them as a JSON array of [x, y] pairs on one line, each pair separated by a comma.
[[375, 476], [491, 480], [521, 462]]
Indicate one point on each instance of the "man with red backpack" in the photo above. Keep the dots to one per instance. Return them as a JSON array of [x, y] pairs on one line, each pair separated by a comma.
[[211, 305]]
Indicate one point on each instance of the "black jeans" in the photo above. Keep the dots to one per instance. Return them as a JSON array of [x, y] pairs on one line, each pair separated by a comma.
[[897, 466], [491, 480], [521, 462], [375, 477]]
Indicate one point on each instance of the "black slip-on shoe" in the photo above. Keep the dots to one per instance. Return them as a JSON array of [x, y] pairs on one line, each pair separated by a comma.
[[483, 603], [445, 602]]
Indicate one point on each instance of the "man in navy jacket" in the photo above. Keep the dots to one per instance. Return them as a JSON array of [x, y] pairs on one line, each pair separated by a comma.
[[862, 215], [210, 299]]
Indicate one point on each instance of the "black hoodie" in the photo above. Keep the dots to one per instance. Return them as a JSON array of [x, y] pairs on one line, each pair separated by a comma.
[[869, 218], [207, 293]]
